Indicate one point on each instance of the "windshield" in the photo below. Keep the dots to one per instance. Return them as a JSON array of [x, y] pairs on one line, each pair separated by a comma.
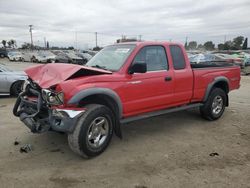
[[111, 57]]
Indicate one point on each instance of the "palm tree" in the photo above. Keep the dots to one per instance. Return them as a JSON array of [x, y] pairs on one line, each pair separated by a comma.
[[4, 43], [13, 43]]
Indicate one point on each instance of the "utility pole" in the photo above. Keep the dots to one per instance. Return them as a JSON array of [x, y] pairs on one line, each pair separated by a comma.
[[95, 39], [76, 39], [186, 44], [140, 36], [45, 44], [31, 38], [225, 39]]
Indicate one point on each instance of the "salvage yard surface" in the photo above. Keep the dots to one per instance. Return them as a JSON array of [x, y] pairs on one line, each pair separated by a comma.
[[175, 150]]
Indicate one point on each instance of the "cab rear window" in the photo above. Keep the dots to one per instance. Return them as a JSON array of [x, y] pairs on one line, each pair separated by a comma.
[[177, 57]]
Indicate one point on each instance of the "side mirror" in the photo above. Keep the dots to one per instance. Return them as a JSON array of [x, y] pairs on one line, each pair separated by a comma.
[[138, 67]]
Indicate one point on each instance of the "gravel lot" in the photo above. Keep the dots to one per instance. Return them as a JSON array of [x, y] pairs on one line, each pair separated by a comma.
[[167, 151]]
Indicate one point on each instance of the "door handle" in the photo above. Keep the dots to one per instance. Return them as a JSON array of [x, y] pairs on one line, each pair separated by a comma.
[[168, 78]]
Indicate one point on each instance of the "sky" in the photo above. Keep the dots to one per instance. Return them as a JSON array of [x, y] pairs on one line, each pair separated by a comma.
[[74, 22]]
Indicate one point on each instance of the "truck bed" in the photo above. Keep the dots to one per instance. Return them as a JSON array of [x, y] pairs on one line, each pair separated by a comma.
[[205, 74], [207, 64]]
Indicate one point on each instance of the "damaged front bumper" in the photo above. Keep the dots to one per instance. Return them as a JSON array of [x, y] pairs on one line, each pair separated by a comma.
[[39, 117]]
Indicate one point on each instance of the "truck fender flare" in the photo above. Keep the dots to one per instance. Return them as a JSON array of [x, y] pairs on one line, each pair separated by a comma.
[[103, 91], [94, 91], [212, 84]]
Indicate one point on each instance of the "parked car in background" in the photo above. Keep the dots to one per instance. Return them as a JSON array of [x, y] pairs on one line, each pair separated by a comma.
[[74, 58], [11, 81], [61, 57], [15, 56], [234, 59], [199, 58], [26, 56], [246, 69], [85, 56], [3, 52], [43, 57], [90, 52]]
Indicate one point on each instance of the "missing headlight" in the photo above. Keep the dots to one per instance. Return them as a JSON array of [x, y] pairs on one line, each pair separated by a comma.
[[53, 98]]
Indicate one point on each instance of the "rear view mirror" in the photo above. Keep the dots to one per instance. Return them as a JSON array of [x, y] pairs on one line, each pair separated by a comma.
[[138, 67]]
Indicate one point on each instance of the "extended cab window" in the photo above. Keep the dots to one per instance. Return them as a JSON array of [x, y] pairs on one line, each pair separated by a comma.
[[154, 56], [178, 57]]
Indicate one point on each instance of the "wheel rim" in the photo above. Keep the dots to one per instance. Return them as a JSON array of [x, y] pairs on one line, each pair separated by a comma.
[[217, 105], [98, 132]]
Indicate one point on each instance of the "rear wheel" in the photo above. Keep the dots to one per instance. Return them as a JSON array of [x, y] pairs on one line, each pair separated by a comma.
[[215, 105], [16, 88], [93, 131]]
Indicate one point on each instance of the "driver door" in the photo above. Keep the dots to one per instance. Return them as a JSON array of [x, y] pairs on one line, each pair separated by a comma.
[[151, 90]]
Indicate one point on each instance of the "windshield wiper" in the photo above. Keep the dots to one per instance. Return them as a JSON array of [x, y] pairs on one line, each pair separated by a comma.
[[100, 67]]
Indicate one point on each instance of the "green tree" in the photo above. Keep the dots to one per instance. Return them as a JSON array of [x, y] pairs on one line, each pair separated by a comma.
[[71, 48], [228, 45], [244, 46], [11, 43], [4, 43], [209, 45], [26, 46], [221, 46], [237, 42], [192, 45], [200, 46]]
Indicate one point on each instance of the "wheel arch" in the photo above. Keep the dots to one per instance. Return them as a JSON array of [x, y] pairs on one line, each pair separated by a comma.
[[108, 95], [219, 82], [101, 96]]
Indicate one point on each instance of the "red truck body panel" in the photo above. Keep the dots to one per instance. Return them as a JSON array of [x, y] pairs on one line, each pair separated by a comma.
[[202, 77], [139, 92]]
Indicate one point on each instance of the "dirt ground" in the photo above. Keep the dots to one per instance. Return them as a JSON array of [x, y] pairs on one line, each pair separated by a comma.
[[167, 151]]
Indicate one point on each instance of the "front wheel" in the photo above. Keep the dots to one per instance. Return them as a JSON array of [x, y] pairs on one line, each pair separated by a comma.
[[93, 131], [215, 105]]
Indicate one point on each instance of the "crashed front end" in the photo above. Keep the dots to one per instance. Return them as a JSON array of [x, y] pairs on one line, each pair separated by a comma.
[[42, 110]]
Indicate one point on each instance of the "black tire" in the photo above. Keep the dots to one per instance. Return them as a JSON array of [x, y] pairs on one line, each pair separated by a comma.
[[16, 88], [80, 140], [213, 112]]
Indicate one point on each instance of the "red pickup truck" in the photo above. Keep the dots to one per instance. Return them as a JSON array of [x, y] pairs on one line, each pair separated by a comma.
[[122, 83]]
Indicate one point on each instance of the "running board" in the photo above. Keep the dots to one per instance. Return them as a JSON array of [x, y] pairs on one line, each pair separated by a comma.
[[158, 113]]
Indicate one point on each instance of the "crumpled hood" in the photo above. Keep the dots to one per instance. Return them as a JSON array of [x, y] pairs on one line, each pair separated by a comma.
[[54, 73]]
